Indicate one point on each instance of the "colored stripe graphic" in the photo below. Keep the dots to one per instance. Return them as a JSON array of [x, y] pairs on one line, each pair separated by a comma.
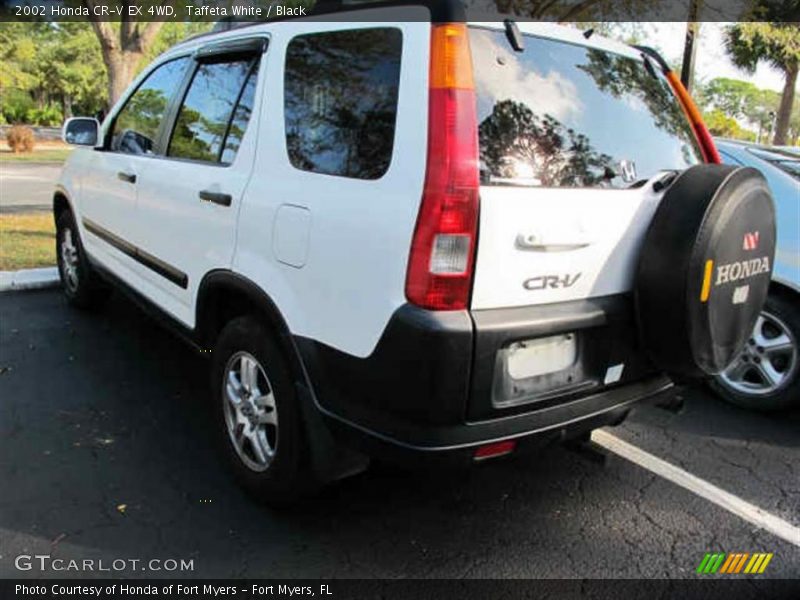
[[764, 564], [755, 563], [734, 563], [701, 567], [740, 564], [706, 291], [710, 563], [727, 565], [730, 564]]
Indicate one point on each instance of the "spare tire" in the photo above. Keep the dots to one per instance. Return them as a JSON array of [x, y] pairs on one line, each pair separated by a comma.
[[704, 269]]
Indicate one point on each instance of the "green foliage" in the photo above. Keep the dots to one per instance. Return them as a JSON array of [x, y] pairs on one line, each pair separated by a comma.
[[777, 43], [49, 115], [15, 105], [49, 71], [45, 65], [740, 100], [752, 108], [720, 124]]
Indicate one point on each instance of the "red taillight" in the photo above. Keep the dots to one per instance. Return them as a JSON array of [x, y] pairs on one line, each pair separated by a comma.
[[495, 449], [709, 149], [442, 251]]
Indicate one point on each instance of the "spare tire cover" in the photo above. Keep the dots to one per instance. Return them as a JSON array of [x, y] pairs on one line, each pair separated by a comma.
[[705, 268]]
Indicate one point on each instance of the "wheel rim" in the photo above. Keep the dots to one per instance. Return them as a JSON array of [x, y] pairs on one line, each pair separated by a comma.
[[767, 362], [251, 416], [69, 260]]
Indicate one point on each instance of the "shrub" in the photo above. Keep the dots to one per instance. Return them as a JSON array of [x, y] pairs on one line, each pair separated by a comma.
[[15, 104], [48, 116], [20, 139]]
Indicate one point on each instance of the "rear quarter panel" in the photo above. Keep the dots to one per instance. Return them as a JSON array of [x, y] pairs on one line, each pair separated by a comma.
[[359, 232]]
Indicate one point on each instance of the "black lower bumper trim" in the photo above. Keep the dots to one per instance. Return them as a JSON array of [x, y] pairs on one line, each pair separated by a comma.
[[589, 409]]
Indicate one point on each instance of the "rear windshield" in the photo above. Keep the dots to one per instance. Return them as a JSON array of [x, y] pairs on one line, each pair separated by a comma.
[[562, 115]]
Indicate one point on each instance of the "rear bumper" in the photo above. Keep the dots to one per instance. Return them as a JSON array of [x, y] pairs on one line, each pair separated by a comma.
[[455, 445], [426, 390]]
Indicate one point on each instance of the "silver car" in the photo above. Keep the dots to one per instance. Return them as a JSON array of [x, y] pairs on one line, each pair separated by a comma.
[[766, 376]]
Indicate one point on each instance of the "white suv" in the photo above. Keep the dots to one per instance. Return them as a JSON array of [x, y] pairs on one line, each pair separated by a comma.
[[401, 234]]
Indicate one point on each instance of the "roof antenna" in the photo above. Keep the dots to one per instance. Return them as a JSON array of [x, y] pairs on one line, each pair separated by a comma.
[[588, 33], [514, 36]]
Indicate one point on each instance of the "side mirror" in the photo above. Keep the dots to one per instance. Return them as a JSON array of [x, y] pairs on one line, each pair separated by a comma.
[[81, 131]]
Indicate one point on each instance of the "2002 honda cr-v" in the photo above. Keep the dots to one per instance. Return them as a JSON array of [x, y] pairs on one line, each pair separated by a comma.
[[403, 234]]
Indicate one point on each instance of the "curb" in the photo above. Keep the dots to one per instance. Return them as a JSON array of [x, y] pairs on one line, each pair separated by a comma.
[[28, 279]]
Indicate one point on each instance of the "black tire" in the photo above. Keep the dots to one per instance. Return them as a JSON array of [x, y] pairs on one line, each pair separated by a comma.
[[82, 286], [787, 393], [286, 478]]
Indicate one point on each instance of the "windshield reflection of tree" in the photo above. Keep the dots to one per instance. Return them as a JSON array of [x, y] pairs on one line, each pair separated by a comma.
[[338, 119], [517, 143], [621, 76], [203, 119], [142, 115]]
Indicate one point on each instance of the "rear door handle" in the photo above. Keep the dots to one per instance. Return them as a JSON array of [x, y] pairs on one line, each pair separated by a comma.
[[553, 244], [127, 177], [216, 197]]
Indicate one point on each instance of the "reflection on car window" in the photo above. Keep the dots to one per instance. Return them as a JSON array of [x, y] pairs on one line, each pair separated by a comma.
[[202, 124], [341, 101], [241, 117], [562, 115], [136, 126]]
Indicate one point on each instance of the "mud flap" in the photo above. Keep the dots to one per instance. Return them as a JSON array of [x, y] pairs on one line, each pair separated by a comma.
[[330, 461]]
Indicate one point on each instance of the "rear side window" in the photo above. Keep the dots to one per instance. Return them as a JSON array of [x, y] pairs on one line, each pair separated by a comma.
[[215, 111], [341, 101], [562, 115], [137, 124]]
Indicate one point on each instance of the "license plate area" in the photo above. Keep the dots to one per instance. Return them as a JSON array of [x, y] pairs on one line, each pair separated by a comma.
[[533, 370]]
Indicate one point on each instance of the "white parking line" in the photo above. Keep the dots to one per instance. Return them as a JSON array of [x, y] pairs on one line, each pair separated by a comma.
[[741, 508]]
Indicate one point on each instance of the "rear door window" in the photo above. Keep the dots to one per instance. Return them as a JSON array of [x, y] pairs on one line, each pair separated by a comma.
[[340, 101], [563, 115]]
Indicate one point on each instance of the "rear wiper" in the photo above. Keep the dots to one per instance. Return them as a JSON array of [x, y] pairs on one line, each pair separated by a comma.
[[514, 36], [648, 66], [661, 181]]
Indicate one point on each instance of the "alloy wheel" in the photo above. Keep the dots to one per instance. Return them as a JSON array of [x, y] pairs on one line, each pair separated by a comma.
[[767, 362], [251, 415], [69, 260]]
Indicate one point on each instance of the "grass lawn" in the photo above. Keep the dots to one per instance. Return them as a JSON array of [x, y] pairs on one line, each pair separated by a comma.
[[27, 241], [54, 155]]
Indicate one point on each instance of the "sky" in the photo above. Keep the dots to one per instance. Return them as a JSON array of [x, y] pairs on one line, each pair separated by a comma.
[[711, 58]]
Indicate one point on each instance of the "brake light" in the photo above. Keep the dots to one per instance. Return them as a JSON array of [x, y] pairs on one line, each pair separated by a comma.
[[443, 248], [701, 132]]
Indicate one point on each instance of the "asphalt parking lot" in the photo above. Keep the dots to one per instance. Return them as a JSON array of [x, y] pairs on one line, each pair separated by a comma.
[[105, 452]]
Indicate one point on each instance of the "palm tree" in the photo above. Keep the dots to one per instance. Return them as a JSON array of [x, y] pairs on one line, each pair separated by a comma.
[[777, 43]]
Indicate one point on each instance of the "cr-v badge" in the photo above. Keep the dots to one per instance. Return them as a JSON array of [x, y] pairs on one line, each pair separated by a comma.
[[552, 282]]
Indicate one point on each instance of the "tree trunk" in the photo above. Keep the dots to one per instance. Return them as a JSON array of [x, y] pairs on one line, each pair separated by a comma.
[[122, 50], [121, 67], [66, 103], [785, 109]]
